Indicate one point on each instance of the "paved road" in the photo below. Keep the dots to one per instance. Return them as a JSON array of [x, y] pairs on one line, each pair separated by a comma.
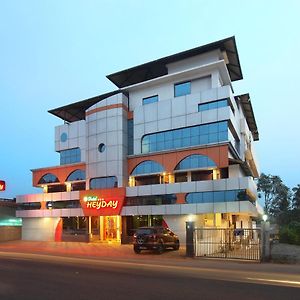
[[33, 276]]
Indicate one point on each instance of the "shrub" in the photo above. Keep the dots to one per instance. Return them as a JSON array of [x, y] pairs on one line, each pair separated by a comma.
[[290, 233]]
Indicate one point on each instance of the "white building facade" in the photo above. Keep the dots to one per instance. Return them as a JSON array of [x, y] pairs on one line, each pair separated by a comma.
[[171, 144]]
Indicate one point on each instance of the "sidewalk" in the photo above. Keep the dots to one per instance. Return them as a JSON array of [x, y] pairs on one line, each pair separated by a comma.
[[124, 253]]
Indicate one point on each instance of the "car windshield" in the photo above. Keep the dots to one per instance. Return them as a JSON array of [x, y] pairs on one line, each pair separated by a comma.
[[146, 231]]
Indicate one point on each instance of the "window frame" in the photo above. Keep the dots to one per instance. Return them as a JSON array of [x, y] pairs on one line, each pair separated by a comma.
[[148, 98], [182, 83]]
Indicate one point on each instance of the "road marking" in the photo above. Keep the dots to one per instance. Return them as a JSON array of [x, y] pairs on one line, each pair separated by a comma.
[[276, 280]]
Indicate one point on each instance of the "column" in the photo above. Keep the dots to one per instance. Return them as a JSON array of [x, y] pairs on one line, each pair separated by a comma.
[[101, 228]]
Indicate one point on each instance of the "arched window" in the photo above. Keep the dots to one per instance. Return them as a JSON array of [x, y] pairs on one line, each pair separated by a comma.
[[76, 175], [147, 167], [195, 161], [48, 178]]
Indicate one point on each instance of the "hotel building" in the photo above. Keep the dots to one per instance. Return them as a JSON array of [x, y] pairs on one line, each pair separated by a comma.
[[172, 143]]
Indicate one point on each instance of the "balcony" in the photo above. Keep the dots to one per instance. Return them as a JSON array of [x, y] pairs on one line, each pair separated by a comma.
[[235, 183]]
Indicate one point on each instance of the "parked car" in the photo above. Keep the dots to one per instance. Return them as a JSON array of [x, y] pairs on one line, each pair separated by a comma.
[[154, 238]]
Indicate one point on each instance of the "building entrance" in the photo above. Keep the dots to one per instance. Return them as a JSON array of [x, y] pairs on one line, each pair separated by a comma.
[[110, 228], [106, 228]]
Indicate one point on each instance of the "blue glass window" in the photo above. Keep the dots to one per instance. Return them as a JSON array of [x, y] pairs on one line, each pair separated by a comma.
[[151, 99], [195, 161], [76, 175], [181, 89], [48, 178], [185, 137], [147, 167], [103, 182], [151, 200], [217, 196], [70, 156], [213, 105]]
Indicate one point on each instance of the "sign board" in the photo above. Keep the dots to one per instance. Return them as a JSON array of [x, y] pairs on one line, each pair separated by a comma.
[[2, 185], [108, 202]]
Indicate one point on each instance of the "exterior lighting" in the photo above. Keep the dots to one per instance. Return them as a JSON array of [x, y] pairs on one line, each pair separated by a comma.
[[191, 218], [68, 186], [131, 181], [45, 188], [265, 217]]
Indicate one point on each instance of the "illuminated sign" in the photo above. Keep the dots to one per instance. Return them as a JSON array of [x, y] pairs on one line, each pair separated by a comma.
[[2, 185], [102, 202], [95, 202]]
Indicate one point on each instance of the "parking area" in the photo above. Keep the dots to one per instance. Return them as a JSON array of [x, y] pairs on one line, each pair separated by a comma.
[[76, 249]]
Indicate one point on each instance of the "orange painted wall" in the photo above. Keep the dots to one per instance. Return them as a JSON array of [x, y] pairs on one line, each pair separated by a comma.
[[219, 154], [61, 172], [180, 198]]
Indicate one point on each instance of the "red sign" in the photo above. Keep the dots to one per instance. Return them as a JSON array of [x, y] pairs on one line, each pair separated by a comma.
[[2, 185], [102, 202]]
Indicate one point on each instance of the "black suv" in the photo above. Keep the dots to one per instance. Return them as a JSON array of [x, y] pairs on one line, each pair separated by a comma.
[[154, 238]]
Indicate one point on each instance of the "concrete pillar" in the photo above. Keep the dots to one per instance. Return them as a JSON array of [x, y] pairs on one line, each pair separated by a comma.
[[118, 228], [190, 247], [266, 249], [90, 228], [101, 229]]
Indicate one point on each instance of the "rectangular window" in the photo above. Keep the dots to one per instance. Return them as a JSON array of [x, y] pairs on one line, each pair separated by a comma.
[[185, 137], [212, 105], [151, 99], [181, 89], [103, 182], [70, 156]]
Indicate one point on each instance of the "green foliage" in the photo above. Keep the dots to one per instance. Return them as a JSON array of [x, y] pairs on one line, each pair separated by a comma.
[[276, 194], [290, 233], [296, 197], [282, 205]]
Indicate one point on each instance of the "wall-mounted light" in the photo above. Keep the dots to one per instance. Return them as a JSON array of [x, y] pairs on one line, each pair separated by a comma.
[[68, 186], [45, 188], [131, 181]]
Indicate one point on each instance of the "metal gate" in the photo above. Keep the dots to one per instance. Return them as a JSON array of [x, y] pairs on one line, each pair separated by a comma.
[[241, 243]]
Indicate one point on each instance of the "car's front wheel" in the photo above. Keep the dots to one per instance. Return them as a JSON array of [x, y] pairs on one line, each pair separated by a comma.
[[137, 249], [176, 246]]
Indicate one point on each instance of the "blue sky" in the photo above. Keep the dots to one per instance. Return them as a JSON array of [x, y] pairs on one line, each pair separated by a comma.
[[57, 52]]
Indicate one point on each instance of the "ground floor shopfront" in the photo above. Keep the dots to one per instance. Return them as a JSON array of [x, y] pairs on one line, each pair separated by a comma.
[[111, 216], [120, 229]]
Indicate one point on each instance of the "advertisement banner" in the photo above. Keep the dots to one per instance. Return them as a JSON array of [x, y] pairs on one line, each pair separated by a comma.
[[104, 202]]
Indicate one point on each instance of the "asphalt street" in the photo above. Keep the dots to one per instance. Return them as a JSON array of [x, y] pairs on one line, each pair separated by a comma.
[[33, 276]]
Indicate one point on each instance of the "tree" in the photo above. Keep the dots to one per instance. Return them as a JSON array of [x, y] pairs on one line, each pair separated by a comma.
[[276, 194], [296, 197], [264, 185], [281, 201]]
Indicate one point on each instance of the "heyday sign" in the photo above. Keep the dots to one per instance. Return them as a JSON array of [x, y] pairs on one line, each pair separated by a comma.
[[2, 185], [97, 203], [102, 202]]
